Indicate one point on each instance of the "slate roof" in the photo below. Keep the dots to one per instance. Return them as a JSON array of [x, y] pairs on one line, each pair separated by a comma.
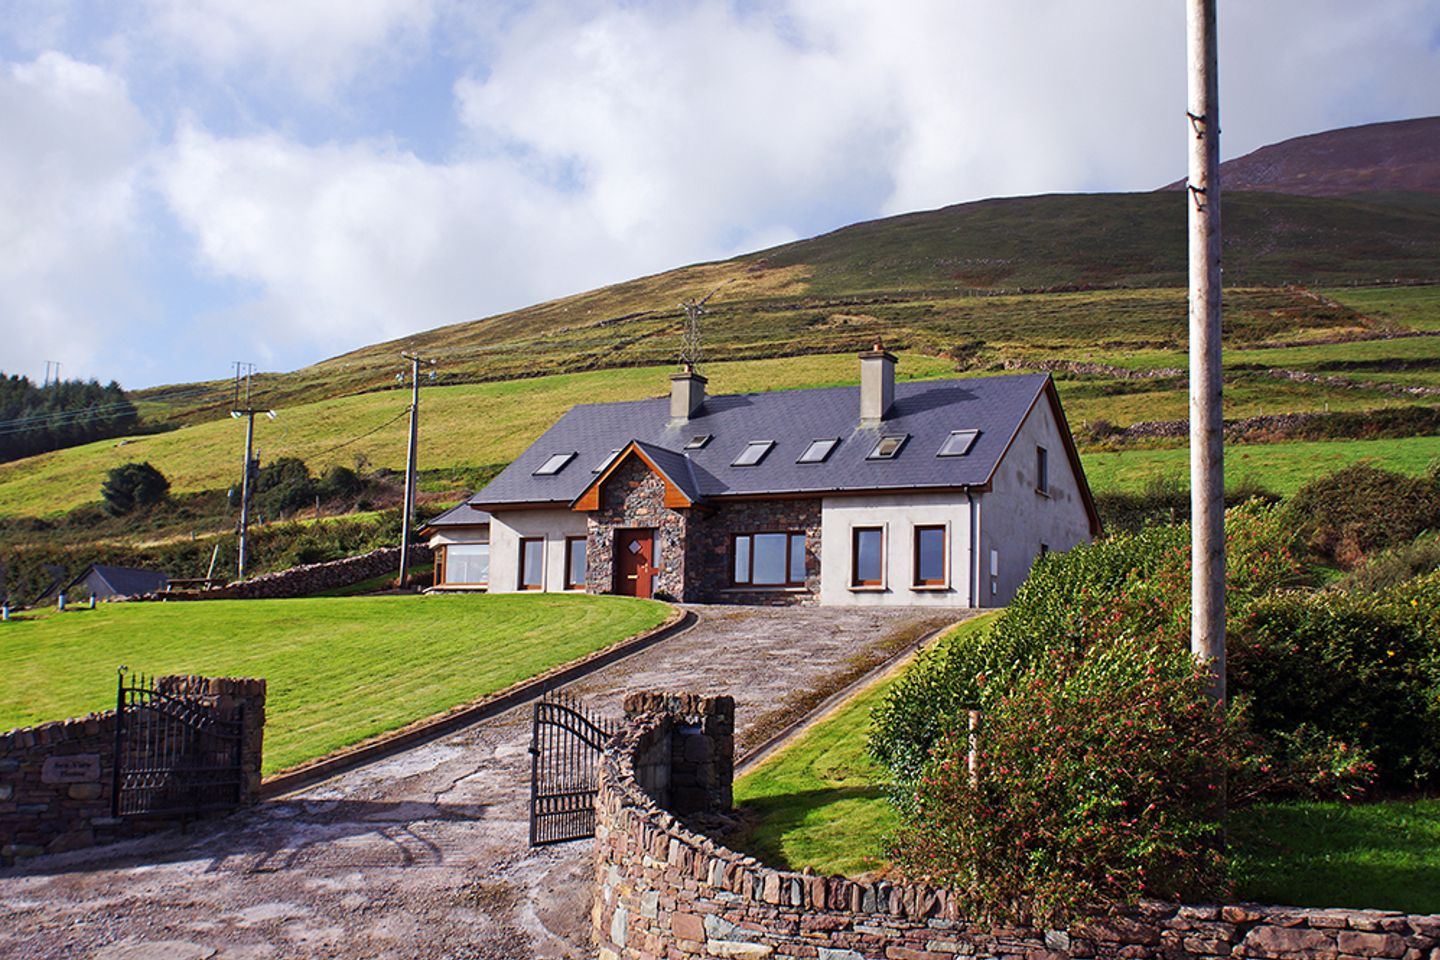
[[926, 410], [125, 581], [460, 515]]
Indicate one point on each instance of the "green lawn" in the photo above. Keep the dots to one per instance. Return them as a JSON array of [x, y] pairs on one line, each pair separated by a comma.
[[1378, 856], [339, 670], [820, 802], [1281, 467]]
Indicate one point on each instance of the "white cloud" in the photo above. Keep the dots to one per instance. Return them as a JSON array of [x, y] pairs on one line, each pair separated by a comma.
[[314, 45], [69, 214]]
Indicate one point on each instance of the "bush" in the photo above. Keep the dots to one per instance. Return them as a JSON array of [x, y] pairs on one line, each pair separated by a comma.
[[1394, 567], [1358, 511], [132, 485], [284, 486], [1097, 782], [340, 483], [1359, 667], [1135, 585]]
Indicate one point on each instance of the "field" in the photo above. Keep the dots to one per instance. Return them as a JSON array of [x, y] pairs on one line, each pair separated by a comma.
[[339, 670], [820, 804]]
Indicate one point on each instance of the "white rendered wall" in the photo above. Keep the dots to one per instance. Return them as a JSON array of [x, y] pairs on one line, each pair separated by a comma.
[[479, 533], [508, 527], [1015, 519], [898, 516]]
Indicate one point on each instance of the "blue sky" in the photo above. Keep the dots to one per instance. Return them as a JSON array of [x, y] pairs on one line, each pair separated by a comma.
[[184, 183]]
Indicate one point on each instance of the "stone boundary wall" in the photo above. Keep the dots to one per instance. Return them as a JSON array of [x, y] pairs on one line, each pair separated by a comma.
[[308, 578], [57, 778], [664, 890]]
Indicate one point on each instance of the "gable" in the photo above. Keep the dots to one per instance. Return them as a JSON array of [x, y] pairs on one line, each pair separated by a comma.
[[589, 499]]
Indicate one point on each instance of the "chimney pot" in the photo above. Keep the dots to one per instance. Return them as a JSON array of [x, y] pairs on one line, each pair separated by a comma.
[[687, 393], [877, 384]]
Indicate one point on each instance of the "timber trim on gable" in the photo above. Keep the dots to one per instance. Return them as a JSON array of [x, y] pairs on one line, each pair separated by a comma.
[[589, 498]]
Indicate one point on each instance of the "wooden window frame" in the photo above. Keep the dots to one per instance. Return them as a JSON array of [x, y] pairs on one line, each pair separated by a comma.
[[520, 580], [915, 578], [855, 582], [569, 563], [790, 536]]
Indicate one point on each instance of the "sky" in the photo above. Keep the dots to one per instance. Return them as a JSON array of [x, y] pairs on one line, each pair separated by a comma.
[[186, 183]]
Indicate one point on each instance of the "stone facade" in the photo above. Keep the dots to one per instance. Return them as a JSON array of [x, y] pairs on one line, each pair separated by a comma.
[[665, 891], [692, 545], [56, 779]]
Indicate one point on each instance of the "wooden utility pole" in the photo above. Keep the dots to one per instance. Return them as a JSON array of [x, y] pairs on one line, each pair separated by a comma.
[[408, 510], [1207, 452], [243, 408]]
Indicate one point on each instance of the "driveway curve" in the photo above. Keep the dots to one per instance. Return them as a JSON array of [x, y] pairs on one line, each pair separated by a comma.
[[423, 854]]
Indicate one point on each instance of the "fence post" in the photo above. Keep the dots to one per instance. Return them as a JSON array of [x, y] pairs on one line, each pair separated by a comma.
[[119, 742], [972, 753]]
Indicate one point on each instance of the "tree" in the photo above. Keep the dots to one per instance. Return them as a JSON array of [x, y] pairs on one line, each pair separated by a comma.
[[133, 485]]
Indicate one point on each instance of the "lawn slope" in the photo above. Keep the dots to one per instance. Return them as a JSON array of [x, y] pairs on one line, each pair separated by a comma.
[[338, 670]]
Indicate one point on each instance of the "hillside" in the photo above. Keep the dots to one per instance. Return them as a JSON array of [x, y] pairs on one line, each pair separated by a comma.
[[1400, 156], [1011, 271]]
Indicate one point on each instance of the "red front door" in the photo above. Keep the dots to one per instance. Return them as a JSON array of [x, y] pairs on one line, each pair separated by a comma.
[[634, 562]]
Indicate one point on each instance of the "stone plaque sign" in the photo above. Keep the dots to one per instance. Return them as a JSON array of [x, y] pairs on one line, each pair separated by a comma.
[[79, 768]]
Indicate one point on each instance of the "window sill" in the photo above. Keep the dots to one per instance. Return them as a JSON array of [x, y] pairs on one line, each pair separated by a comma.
[[1043, 493], [462, 586], [766, 589], [932, 588], [879, 588]]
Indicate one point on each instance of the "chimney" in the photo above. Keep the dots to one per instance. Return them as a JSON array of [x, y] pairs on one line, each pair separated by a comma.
[[687, 393], [877, 384]]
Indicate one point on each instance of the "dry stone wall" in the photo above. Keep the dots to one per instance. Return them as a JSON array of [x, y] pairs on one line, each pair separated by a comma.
[[309, 578], [664, 890], [57, 779]]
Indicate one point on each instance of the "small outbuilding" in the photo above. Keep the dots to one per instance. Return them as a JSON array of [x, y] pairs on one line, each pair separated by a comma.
[[104, 582]]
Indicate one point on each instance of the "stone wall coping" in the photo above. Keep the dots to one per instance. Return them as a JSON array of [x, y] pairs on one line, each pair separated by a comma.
[[745, 883]]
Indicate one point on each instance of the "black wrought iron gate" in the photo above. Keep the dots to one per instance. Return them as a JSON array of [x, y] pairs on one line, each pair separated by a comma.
[[173, 755], [565, 746]]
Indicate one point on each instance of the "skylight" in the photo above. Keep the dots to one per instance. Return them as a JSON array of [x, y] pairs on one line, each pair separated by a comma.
[[888, 447], [818, 450], [609, 459], [555, 464], [753, 453], [958, 443], [697, 441]]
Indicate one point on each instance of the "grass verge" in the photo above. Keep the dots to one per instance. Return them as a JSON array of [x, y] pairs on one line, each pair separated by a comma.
[[820, 802], [339, 670]]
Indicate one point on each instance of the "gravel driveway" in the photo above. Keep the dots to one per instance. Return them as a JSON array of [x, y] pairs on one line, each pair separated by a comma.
[[422, 855]]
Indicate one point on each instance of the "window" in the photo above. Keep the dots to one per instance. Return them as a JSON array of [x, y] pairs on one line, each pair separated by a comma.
[[697, 441], [609, 459], [930, 556], [888, 448], [466, 563], [768, 559], [532, 564], [1042, 470], [818, 450], [753, 453], [867, 557], [575, 570], [555, 464], [958, 443]]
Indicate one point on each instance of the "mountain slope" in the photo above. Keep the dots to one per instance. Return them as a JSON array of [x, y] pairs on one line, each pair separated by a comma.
[[1403, 155]]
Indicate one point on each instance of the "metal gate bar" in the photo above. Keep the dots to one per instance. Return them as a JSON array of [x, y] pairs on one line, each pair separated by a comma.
[[565, 745], [173, 755]]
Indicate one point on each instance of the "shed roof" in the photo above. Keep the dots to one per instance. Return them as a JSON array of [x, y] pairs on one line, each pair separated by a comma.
[[124, 581], [460, 515]]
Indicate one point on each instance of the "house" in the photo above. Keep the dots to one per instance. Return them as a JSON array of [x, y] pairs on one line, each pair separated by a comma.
[[460, 538], [104, 582], [937, 492]]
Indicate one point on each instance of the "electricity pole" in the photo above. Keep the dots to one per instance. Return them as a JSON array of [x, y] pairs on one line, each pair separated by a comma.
[[1207, 452], [244, 409], [408, 510]]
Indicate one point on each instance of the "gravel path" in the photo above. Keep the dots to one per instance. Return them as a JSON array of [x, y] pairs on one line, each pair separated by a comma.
[[422, 855]]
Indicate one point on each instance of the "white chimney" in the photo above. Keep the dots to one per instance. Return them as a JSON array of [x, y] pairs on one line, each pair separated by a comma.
[[877, 384], [687, 393]]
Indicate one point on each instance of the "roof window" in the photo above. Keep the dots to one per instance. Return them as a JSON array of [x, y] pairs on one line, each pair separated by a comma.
[[888, 447], [958, 443], [818, 450], [555, 464], [753, 453], [609, 459], [697, 441]]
